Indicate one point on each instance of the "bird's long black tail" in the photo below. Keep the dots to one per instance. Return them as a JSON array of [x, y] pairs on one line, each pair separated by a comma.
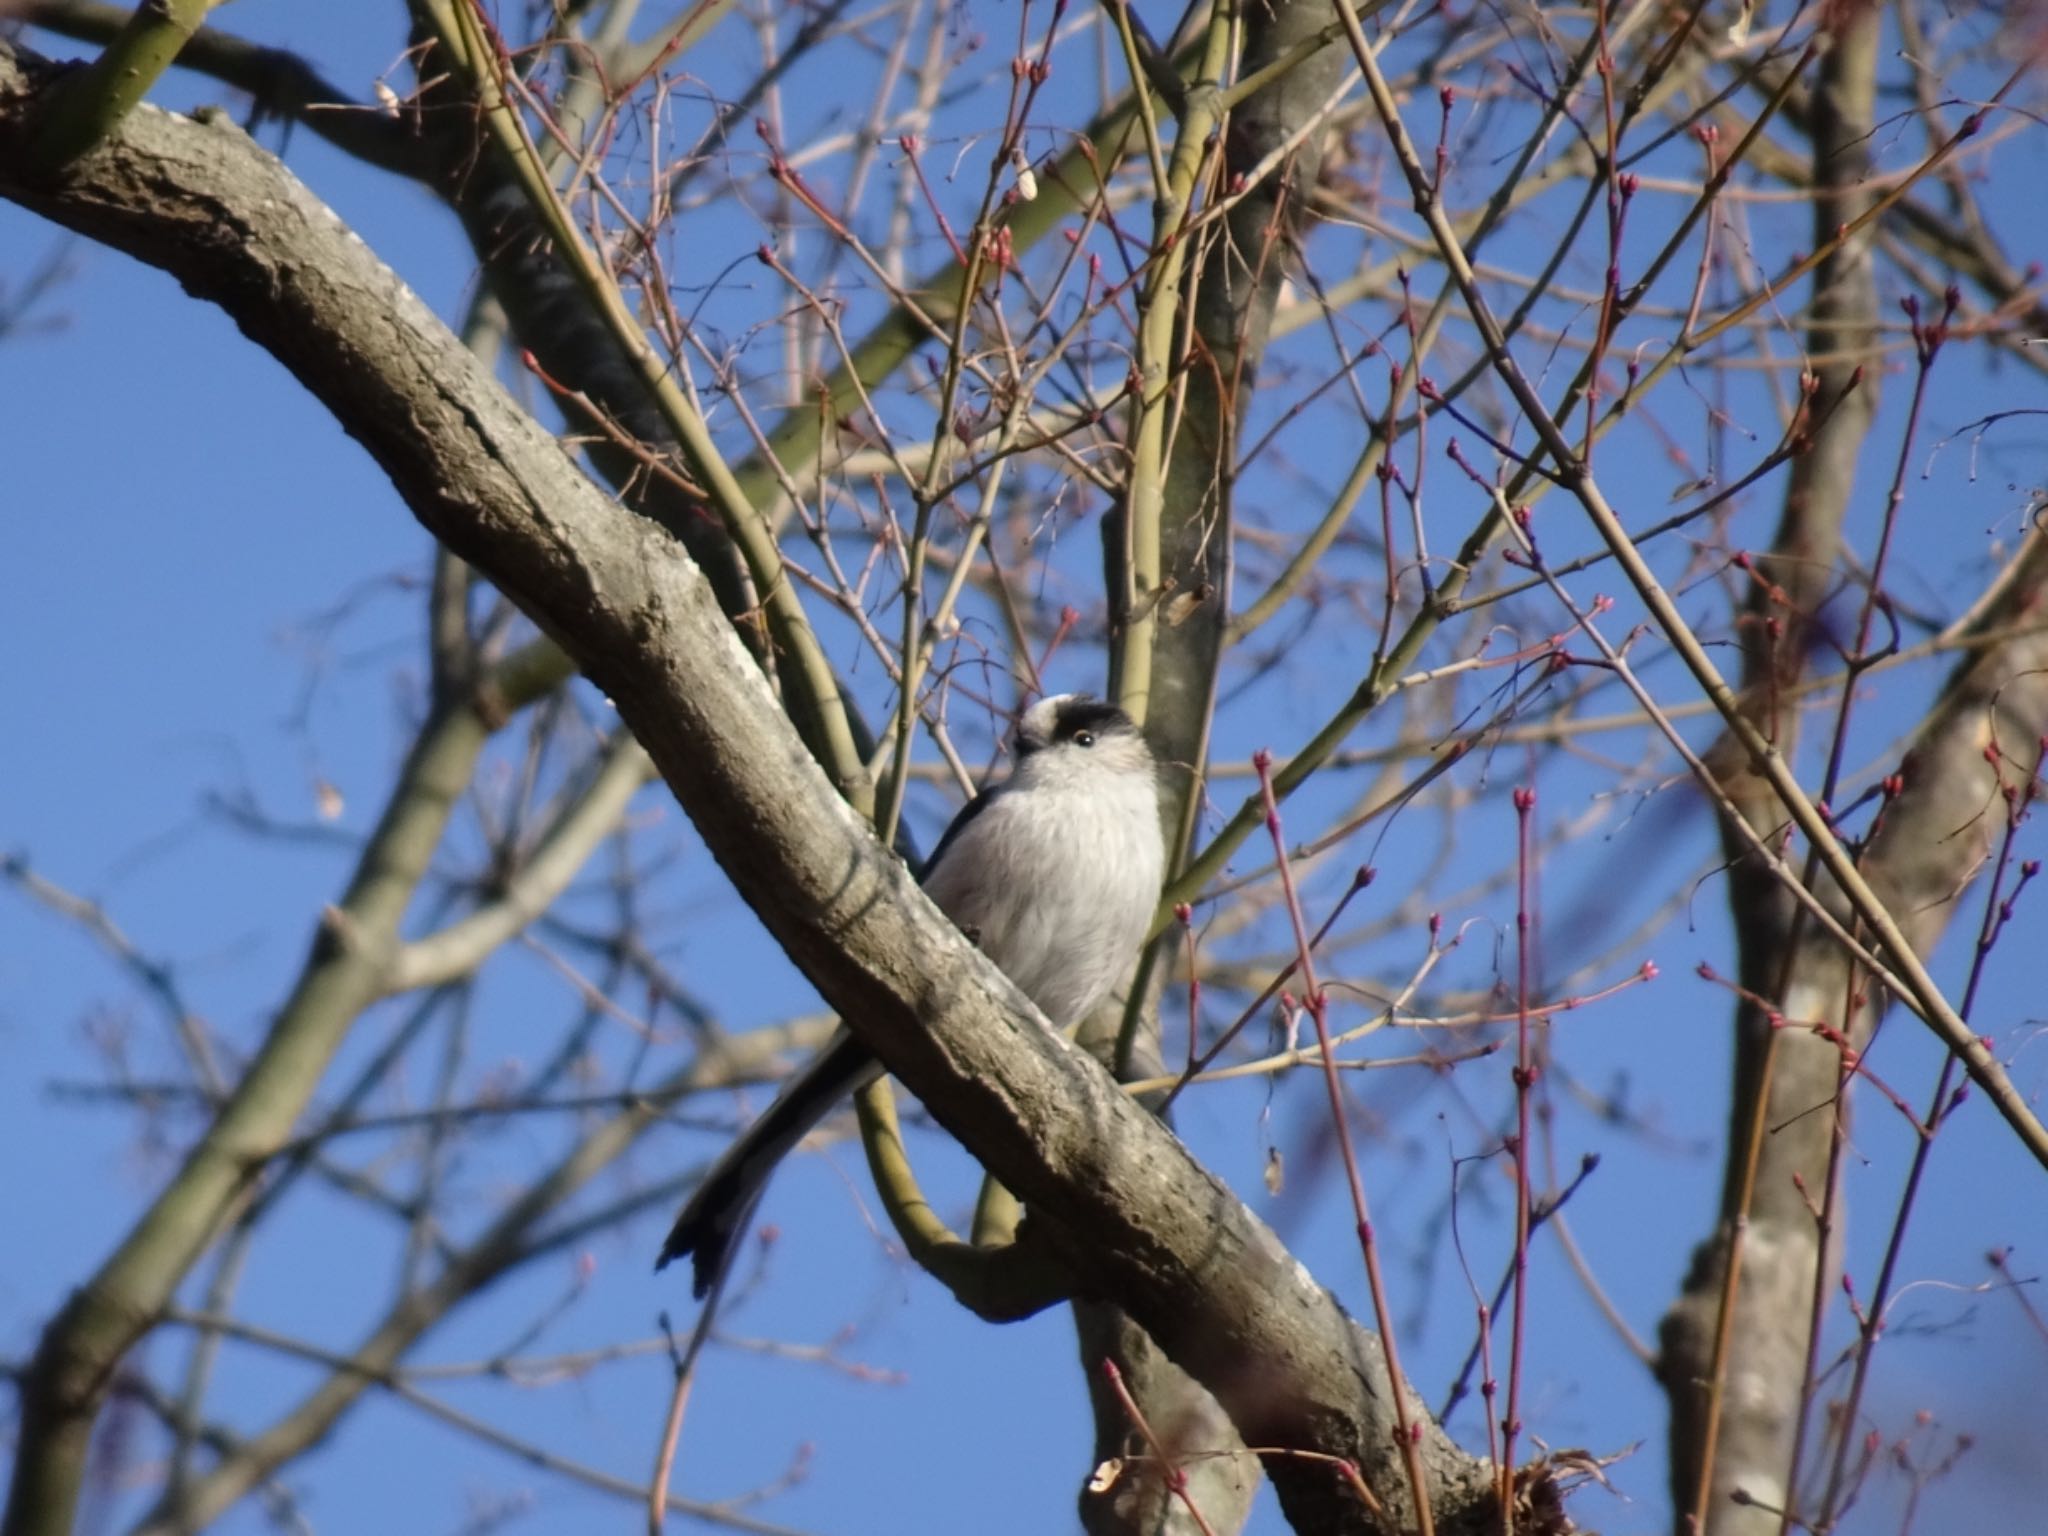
[[724, 1202]]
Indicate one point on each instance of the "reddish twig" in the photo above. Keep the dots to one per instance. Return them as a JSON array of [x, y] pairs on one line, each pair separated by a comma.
[[1525, 1078], [1407, 1428], [1176, 1479]]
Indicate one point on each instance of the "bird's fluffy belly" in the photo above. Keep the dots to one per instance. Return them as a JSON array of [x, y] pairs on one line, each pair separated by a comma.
[[1058, 889]]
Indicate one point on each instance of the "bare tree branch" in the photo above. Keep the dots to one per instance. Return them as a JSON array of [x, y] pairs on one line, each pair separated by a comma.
[[436, 959], [281, 83], [1744, 1315], [1138, 1220]]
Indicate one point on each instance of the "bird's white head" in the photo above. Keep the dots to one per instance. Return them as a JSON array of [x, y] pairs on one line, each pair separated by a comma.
[[1075, 738]]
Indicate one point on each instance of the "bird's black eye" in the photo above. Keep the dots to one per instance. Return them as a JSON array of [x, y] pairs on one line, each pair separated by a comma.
[[1084, 738]]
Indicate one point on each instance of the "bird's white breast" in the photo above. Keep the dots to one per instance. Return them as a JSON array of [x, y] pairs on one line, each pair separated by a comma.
[[1058, 884]]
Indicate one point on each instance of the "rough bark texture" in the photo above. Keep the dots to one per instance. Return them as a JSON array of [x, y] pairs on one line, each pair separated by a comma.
[[1140, 1222], [1789, 1088]]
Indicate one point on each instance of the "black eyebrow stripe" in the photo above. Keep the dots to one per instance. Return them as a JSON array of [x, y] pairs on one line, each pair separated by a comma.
[[1089, 715]]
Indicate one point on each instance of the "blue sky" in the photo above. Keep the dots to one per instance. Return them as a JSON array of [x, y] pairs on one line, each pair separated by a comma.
[[182, 515]]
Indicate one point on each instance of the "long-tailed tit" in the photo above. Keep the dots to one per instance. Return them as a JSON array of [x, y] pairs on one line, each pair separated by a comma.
[[1055, 873]]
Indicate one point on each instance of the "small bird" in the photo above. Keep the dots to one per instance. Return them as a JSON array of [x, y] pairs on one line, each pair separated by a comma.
[[1055, 873]]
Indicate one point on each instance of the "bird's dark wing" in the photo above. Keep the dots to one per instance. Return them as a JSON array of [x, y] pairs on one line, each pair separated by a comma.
[[968, 812]]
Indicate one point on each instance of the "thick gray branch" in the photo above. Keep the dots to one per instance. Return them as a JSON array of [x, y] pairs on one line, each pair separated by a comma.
[[1141, 1223]]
